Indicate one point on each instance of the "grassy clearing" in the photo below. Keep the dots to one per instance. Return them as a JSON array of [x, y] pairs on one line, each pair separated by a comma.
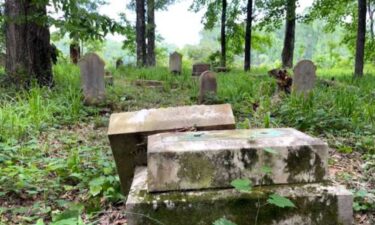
[[55, 161]]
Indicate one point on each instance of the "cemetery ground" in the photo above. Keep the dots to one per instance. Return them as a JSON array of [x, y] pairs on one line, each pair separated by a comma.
[[56, 165]]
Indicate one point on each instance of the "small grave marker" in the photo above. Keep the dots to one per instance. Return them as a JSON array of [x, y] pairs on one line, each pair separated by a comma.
[[304, 77], [175, 63], [92, 76], [199, 68], [207, 87]]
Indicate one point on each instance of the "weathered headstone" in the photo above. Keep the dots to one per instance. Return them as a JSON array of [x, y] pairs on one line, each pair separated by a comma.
[[92, 77], [304, 77], [119, 63], [199, 68], [175, 63], [207, 87], [315, 204], [128, 131], [195, 161]]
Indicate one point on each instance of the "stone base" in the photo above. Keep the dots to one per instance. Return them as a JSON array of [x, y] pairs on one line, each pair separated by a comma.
[[315, 204]]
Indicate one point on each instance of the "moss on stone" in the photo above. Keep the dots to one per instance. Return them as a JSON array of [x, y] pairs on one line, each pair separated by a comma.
[[299, 161], [249, 157], [200, 169], [180, 208]]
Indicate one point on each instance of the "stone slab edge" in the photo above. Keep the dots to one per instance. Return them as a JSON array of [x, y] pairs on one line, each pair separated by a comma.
[[323, 204]]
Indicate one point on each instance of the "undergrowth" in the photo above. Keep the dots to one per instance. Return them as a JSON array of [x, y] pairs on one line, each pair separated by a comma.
[[55, 160]]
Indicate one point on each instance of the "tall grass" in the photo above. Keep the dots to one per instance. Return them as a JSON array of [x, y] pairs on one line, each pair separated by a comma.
[[26, 113]]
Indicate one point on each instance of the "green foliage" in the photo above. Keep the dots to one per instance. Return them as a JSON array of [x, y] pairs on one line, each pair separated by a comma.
[[41, 160], [242, 185], [82, 21], [364, 200], [223, 221], [280, 201]]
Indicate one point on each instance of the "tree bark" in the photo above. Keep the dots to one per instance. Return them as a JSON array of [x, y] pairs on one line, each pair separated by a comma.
[[141, 33], [151, 61], [361, 39], [28, 51], [75, 52], [290, 26], [249, 21], [223, 34]]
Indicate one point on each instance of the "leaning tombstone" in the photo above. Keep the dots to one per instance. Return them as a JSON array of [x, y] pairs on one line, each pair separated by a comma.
[[304, 77], [92, 77], [128, 131], [207, 87], [175, 63], [199, 68], [119, 63]]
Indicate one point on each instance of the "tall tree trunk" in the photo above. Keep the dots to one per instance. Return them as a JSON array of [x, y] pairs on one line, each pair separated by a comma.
[[151, 61], [361, 39], [75, 52], [249, 21], [28, 51], [371, 11], [223, 60], [290, 27], [141, 33]]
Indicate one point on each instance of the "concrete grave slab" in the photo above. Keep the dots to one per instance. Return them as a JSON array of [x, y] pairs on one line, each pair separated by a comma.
[[128, 131], [212, 159], [316, 204]]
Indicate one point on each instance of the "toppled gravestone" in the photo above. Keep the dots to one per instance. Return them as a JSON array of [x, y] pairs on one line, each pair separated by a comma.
[[128, 131], [212, 159]]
